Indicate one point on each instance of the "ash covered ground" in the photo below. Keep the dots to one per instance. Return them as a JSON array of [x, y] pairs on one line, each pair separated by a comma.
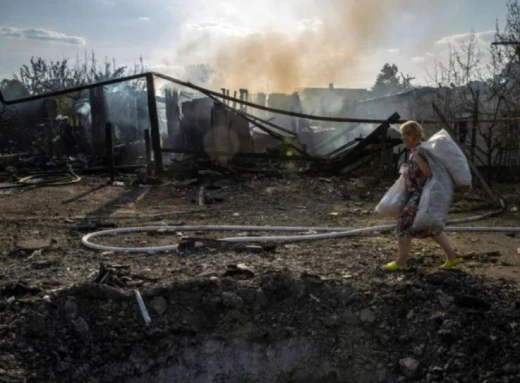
[[69, 313]]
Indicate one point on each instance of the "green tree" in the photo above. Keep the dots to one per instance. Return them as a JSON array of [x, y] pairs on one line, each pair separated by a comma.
[[390, 81], [12, 88]]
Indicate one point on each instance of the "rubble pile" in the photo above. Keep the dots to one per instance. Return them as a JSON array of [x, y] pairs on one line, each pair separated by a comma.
[[416, 326]]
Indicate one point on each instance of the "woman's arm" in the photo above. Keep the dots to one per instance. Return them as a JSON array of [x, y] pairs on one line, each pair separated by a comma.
[[423, 165]]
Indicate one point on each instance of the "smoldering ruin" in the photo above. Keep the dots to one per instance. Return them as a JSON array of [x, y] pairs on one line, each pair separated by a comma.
[[170, 159]]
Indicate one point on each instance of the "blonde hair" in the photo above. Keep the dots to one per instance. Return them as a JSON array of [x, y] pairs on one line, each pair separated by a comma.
[[413, 129]]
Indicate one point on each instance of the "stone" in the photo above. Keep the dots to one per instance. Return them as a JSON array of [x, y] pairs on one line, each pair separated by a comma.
[[212, 304], [261, 298], [248, 296], [71, 308], [444, 300], [159, 305], [366, 315], [350, 318], [409, 367], [232, 300], [447, 336], [511, 368], [418, 351], [81, 326]]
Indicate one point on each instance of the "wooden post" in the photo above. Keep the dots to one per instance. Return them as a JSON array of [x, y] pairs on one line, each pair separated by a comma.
[[148, 152], [172, 114], [50, 111], [473, 167], [109, 144], [154, 124], [384, 135], [98, 112], [474, 127]]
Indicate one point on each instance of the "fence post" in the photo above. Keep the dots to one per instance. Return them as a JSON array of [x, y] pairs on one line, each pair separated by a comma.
[[148, 156], [109, 144]]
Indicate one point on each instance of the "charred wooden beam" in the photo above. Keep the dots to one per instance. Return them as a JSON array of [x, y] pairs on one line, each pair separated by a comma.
[[172, 113], [154, 124], [99, 119], [148, 152], [109, 144]]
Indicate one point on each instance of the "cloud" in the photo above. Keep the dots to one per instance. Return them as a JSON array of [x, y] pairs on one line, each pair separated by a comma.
[[40, 34], [393, 50], [219, 25], [418, 59], [143, 18], [484, 37]]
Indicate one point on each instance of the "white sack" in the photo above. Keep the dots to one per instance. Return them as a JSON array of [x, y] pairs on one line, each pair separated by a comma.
[[394, 199], [442, 146], [436, 196]]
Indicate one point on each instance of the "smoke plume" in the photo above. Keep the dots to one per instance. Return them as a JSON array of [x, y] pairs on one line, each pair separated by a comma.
[[328, 47]]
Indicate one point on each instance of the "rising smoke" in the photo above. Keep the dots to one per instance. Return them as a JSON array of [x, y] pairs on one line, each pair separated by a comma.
[[329, 47]]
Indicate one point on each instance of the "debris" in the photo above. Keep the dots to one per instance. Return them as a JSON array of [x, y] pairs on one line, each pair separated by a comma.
[[409, 367], [142, 308], [110, 275], [39, 265], [201, 196], [19, 289], [367, 315], [159, 305], [241, 270], [18, 253], [444, 300], [473, 302], [232, 300], [71, 308], [311, 277], [82, 327], [33, 244]]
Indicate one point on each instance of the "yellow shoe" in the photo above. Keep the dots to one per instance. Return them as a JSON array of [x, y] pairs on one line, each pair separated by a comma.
[[393, 266], [451, 263]]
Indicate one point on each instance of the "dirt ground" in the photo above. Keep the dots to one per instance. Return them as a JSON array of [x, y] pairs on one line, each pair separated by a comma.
[[54, 298]]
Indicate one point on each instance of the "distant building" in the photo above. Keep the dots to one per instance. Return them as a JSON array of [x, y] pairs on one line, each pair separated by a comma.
[[330, 101]]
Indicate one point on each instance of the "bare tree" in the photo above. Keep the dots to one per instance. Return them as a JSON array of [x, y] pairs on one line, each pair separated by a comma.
[[472, 91]]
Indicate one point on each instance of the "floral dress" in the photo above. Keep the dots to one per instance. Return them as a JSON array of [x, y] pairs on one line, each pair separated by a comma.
[[415, 180]]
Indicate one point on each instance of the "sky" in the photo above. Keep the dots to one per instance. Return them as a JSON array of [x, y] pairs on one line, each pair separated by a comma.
[[263, 45]]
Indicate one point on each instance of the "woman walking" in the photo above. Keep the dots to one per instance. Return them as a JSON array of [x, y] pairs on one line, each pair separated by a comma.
[[416, 172]]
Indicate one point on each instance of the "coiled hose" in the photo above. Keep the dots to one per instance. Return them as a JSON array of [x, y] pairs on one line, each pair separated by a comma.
[[330, 232]]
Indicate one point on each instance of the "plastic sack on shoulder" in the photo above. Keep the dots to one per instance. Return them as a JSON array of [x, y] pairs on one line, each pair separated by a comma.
[[436, 196], [442, 146], [394, 199]]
